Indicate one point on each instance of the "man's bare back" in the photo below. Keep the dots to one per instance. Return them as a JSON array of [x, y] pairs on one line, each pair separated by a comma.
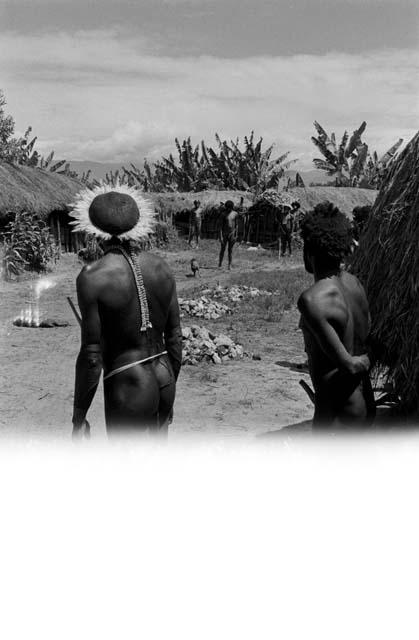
[[336, 324], [108, 298], [229, 224]]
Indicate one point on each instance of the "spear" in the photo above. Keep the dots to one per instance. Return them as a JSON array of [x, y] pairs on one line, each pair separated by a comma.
[[74, 310]]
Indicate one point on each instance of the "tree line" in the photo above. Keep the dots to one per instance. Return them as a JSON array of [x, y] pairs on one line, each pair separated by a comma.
[[229, 165]]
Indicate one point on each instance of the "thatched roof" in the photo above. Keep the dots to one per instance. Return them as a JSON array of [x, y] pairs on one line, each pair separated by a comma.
[[174, 201], [34, 190], [344, 198], [387, 263]]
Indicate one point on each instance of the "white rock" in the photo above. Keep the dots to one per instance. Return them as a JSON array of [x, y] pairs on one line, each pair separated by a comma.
[[223, 340]]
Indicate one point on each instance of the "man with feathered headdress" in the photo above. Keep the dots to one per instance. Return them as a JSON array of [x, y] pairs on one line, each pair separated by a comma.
[[129, 316]]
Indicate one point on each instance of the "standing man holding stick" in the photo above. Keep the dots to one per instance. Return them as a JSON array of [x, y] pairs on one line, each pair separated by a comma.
[[130, 324]]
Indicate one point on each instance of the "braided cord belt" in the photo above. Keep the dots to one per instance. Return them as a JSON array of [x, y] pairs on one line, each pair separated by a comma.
[[132, 260]]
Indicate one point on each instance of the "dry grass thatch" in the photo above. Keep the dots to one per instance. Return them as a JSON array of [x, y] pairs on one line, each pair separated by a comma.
[[344, 198], [388, 265], [174, 202], [34, 190], [175, 208]]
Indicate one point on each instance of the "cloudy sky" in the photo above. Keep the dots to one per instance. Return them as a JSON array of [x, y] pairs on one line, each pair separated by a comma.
[[117, 81]]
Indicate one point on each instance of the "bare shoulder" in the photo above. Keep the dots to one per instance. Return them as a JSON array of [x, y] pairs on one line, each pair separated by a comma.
[[322, 299], [318, 291], [90, 280], [89, 274], [309, 299], [155, 261], [155, 267], [351, 282], [356, 291]]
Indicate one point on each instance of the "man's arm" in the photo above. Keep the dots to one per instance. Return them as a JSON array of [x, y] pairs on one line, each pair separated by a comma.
[[236, 225], [89, 361], [173, 334], [219, 227], [319, 323]]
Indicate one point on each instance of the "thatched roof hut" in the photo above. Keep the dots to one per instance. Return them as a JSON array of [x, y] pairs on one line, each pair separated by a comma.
[[44, 193], [175, 207], [34, 190], [387, 263], [169, 203], [345, 198]]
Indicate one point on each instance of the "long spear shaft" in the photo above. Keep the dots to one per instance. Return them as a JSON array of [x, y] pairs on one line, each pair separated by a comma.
[[74, 310]]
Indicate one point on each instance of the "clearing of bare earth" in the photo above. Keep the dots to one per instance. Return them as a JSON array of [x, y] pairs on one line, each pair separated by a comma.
[[247, 389]]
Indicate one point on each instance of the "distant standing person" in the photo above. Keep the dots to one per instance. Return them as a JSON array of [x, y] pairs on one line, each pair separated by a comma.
[[335, 321], [195, 223], [130, 324], [227, 232], [286, 228]]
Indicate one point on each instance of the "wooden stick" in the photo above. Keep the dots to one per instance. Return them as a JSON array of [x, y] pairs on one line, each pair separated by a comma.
[[74, 310], [309, 391]]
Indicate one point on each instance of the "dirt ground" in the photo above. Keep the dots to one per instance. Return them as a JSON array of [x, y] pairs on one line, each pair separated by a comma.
[[241, 398]]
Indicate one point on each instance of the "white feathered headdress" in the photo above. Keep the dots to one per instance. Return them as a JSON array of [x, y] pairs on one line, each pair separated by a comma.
[[112, 216]]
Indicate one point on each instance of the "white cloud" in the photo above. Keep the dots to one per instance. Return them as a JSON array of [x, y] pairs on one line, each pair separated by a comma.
[[103, 96]]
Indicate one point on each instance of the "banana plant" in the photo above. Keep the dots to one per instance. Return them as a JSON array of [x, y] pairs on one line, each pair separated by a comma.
[[351, 163]]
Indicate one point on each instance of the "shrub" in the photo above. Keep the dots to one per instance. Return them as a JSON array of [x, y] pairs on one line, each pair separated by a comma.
[[28, 245]]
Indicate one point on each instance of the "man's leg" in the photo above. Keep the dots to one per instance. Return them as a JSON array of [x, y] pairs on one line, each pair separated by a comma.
[[283, 241], [289, 244], [196, 234], [167, 383], [231, 243], [222, 250]]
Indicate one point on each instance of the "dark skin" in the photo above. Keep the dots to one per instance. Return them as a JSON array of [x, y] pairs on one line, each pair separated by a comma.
[[336, 324], [286, 227], [227, 233], [195, 223], [142, 396]]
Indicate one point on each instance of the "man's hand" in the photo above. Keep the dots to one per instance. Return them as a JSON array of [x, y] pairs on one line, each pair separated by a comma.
[[360, 364]]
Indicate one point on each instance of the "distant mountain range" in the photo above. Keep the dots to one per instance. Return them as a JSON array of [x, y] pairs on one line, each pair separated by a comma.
[[100, 169]]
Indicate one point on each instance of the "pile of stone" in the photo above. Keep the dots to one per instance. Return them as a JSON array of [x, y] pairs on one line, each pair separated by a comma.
[[203, 307], [237, 293], [199, 344]]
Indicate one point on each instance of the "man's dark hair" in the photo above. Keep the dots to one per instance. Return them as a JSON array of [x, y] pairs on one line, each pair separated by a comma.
[[229, 204], [327, 233]]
